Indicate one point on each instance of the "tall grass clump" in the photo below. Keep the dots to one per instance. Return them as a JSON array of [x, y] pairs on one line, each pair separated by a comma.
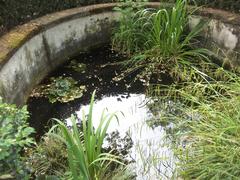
[[84, 149], [207, 128], [213, 151], [159, 41]]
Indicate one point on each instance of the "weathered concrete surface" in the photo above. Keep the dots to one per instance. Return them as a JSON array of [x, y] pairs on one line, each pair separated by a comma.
[[222, 38], [30, 52], [26, 65]]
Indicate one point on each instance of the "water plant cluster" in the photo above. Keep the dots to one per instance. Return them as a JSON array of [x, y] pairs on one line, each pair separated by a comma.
[[158, 42], [61, 89], [206, 124], [85, 157]]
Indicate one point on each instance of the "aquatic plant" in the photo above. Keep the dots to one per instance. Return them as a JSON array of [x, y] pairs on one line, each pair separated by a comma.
[[15, 134], [158, 42], [85, 157], [123, 36], [214, 143], [61, 89], [213, 140], [207, 127]]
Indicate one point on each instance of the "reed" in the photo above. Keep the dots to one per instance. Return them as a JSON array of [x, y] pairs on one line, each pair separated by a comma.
[[85, 157], [206, 127], [159, 41]]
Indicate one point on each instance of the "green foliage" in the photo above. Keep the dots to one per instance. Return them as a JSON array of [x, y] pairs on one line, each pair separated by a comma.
[[213, 149], [62, 89], [85, 157], [14, 136], [230, 5], [123, 36], [206, 127], [159, 42], [49, 157]]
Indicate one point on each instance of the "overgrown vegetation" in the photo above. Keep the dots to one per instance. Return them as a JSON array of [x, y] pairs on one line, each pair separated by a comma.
[[213, 144], [15, 134], [203, 103], [206, 127], [48, 158], [158, 43]]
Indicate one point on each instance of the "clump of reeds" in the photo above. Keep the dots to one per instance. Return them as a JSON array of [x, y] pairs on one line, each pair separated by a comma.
[[159, 41], [84, 149]]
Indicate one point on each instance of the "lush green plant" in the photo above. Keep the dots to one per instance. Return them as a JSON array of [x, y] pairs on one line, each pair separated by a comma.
[[207, 127], [85, 157], [62, 89], [160, 43], [123, 36], [213, 152], [213, 140], [14, 136]]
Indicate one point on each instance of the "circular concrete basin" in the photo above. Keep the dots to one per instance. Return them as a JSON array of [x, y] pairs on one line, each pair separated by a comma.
[[30, 52]]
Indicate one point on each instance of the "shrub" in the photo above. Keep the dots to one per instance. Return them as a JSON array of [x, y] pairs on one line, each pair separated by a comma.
[[14, 136]]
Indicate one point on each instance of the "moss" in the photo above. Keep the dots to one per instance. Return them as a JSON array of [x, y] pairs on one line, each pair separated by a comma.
[[15, 39], [3, 56]]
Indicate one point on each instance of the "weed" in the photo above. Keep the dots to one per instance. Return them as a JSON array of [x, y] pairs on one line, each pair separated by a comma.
[[207, 127]]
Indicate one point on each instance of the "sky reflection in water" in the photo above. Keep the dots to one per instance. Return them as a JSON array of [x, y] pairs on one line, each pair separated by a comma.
[[153, 157]]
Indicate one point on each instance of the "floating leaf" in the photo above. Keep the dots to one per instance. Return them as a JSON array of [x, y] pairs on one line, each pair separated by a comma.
[[62, 89]]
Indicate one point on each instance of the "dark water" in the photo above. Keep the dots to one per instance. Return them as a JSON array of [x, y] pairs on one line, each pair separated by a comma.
[[98, 76], [147, 148]]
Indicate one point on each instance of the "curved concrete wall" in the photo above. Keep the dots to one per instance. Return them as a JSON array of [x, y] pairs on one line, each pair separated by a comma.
[[30, 52]]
